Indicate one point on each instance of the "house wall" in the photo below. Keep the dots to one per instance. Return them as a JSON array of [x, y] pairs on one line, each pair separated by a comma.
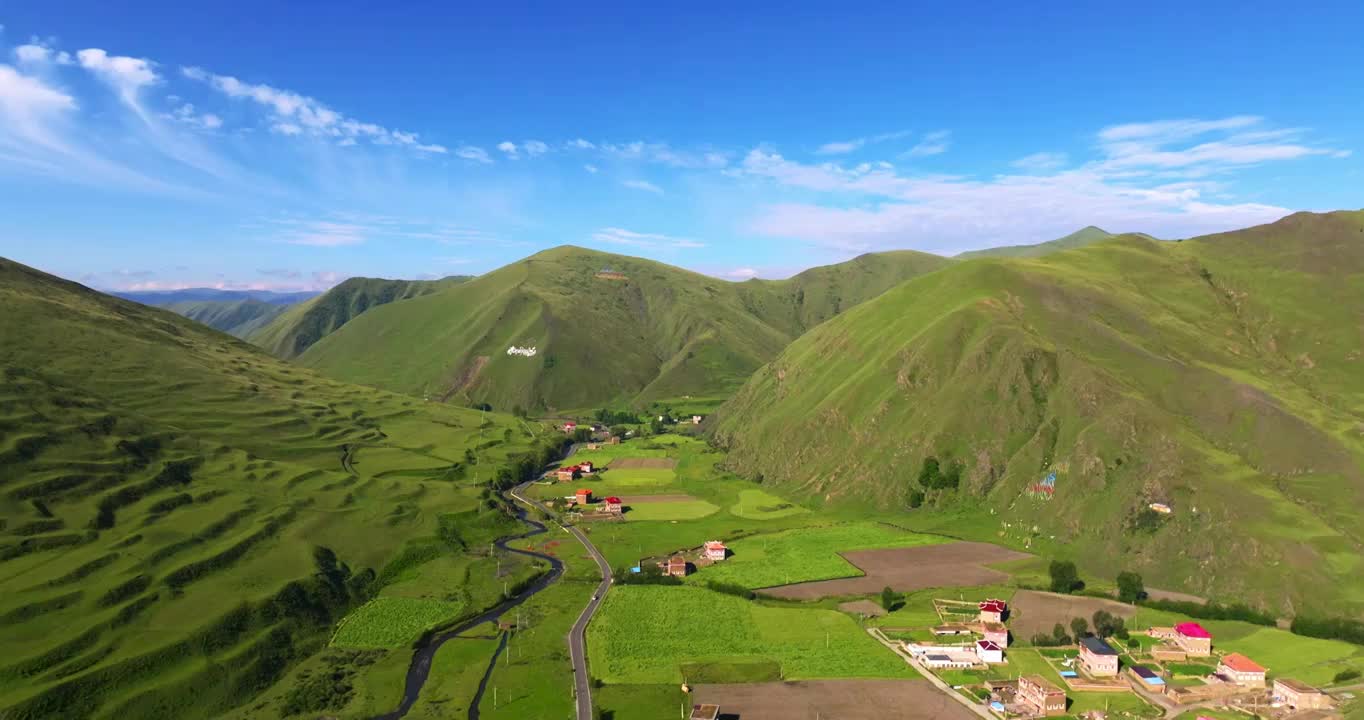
[[1099, 665]]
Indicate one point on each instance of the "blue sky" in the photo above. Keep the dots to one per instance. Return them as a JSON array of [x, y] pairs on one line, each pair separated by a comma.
[[291, 145]]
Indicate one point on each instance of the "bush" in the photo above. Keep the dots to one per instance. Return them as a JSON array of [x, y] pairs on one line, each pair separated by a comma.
[[730, 589], [1346, 676], [1330, 628], [1130, 587], [1065, 578], [1216, 611]]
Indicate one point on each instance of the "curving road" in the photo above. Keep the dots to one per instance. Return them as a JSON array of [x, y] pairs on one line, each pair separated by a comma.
[[420, 669], [577, 637]]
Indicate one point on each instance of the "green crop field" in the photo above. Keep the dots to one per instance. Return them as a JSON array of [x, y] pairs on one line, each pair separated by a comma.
[[390, 622], [807, 554], [632, 477], [759, 505], [645, 634], [684, 510]]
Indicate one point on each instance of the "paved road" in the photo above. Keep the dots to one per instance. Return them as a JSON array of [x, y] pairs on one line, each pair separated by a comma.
[[577, 637], [937, 682]]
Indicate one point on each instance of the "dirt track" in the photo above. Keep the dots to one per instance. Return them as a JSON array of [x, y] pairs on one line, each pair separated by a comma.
[[1032, 612], [908, 569], [642, 464], [841, 699]]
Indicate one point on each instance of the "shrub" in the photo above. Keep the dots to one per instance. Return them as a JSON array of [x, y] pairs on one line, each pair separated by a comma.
[[1346, 676]]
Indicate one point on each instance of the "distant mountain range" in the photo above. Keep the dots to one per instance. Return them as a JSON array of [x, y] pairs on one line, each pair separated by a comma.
[[162, 298]]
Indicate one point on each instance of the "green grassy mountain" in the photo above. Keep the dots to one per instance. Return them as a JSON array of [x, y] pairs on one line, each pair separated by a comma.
[[1079, 238], [1223, 376], [293, 331], [604, 328], [183, 517], [234, 317]]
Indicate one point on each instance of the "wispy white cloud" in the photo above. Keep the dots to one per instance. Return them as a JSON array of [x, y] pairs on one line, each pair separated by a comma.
[[591, 168], [534, 147], [621, 236], [644, 185], [843, 147], [664, 154], [127, 75], [1148, 176], [187, 114], [581, 144], [325, 233], [36, 52], [470, 152], [934, 143], [509, 149], [1041, 162], [743, 273], [291, 110]]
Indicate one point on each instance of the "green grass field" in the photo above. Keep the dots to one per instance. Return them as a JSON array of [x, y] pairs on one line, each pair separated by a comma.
[[644, 634], [390, 622], [184, 520], [759, 505], [1068, 363], [807, 554], [684, 510]]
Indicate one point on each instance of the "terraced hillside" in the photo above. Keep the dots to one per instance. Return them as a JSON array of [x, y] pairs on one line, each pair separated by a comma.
[[183, 517], [1222, 376], [604, 327], [293, 331]]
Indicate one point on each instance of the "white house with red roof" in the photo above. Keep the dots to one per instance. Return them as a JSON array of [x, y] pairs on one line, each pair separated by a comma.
[[613, 505], [570, 426], [1193, 639], [715, 551], [1241, 670], [992, 611], [989, 652]]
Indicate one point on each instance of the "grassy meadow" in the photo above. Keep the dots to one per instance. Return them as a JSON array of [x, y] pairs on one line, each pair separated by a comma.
[[184, 519]]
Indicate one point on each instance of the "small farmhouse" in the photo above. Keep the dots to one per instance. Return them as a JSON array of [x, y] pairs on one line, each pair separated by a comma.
[[613, 505], [1193, 639], [1300, 695], [1097, 657], [715, 551], [992, 611], [566, 474], [675, 567], [569, 427], [1241, 670], [1148, 679], [1041, 696], [696, 419], [989, 653], [996, 633], [613, 440], [944, 660], [584, 496]]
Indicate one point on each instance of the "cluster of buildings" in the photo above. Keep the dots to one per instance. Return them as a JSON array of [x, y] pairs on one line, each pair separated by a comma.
[[583, 498], [988, 650], [712, 551], [569, 473]]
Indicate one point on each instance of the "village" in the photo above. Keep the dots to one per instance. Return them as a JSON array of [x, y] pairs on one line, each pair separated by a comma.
[[970, 654]]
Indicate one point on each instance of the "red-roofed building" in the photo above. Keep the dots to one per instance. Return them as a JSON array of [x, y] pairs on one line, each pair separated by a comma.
[[989, 652], [716, 551], [584, 496], [1241, 670], [569, 427], [676, 566], [992, 611], [614, 505], [585, 467], [567, 474], [1193, 639]]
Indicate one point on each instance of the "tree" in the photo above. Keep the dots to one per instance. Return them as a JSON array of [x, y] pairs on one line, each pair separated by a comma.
[[916, 498], [1059, 636], [582, 434], [1130, 587], [1107, 624], [889, 598], [928, 474], [1079, 627], [1064, 577]]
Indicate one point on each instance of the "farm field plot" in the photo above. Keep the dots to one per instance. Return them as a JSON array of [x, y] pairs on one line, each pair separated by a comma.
[[909, 569], [843, 699], [643, 463], [643, 634], [1032, 612], [759, 505], [636, 477], [667, 507], [917, 608], [390, 622], [807, 554]]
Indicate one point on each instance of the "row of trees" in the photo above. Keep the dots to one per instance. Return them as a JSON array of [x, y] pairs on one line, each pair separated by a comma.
[[1106, 625]]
